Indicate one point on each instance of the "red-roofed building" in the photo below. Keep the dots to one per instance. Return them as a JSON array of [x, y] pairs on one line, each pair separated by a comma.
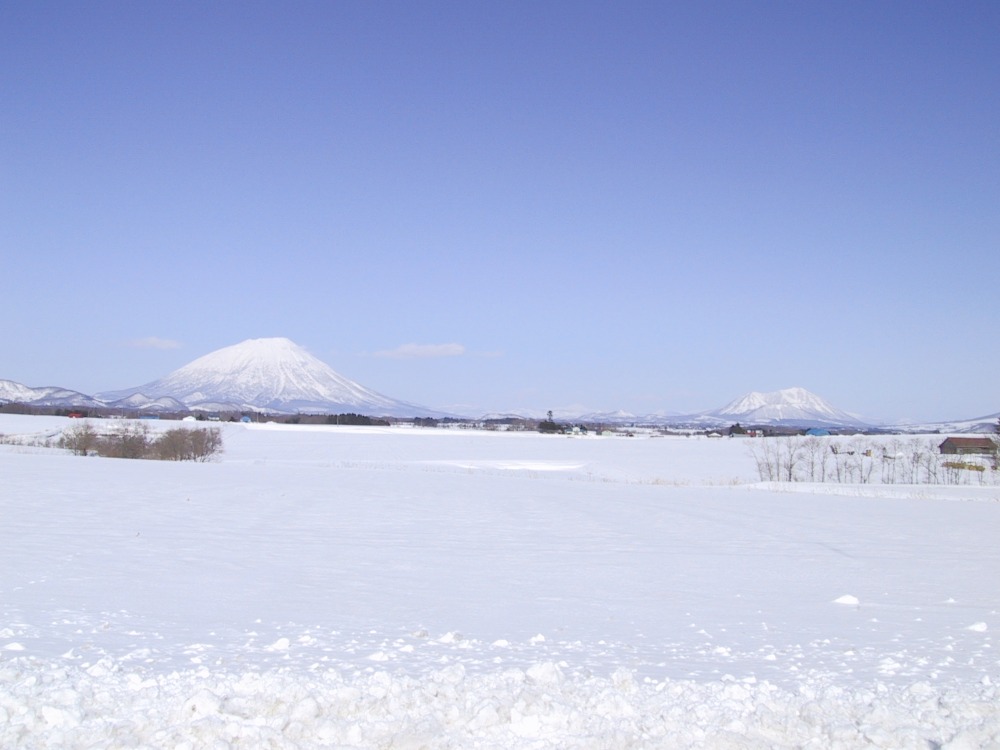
[[959, 446]]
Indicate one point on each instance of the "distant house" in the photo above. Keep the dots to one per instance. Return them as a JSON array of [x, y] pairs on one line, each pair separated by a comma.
[[817, 432], [737, 431], [959, 446]]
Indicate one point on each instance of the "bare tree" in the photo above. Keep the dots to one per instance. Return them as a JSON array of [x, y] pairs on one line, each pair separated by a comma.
[[180, 444], [81, 439], [892, 454], [996, 447], [815, 457], [765, 455], [173, 445], [203, 444], [841, 454], [128, 440], [914, 454], [862, 460], [791, 451], [932, 464]]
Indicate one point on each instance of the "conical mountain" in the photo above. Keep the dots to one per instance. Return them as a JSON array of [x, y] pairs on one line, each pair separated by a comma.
[[271, 375], [790, 406]]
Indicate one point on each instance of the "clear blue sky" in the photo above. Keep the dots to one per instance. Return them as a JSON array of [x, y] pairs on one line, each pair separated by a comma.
[[486, 206]]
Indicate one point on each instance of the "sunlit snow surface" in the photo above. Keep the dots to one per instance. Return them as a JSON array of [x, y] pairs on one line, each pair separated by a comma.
[[344, 587]]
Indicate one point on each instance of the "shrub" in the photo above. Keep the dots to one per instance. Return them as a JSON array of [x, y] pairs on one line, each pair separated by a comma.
[[205, 443], [133, 440], [127, 440], [963, 466], [81, 439]]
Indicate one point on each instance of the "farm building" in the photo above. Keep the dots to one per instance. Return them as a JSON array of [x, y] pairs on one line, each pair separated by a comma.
[[817, 432], [958, 446]]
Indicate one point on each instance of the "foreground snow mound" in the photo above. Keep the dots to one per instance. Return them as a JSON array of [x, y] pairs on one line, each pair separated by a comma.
[[50, 705]]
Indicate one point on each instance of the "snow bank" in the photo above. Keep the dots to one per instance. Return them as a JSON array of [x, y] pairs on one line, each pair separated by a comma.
[[45, 704]]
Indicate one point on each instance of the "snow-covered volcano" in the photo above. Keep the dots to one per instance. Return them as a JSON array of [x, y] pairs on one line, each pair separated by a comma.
[[270, 374], [788, 406]]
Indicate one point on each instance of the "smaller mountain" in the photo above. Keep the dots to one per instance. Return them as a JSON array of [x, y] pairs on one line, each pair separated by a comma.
[[48, 396], [501, 415], [620, 416], [15, 392], [987, 425], [143, 403], [789, 407]]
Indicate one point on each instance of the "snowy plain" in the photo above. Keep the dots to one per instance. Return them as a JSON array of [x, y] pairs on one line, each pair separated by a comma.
[[422, 588]]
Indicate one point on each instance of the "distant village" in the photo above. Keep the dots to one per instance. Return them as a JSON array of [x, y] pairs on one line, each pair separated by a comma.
[[549, 425]]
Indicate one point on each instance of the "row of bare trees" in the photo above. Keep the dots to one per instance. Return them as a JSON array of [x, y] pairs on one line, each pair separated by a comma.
[[866, 460], [128, 439]]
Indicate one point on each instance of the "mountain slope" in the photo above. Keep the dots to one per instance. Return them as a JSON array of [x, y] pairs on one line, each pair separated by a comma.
[[46, 396], [269, 374]]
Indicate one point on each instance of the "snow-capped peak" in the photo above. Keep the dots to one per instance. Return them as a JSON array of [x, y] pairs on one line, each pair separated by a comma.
[[787, 405], [270, 374]]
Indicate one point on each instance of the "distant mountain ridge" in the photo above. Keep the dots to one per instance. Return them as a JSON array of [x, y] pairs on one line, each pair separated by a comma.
[[272, 375], [11, 392], [278, 376], [790, 407]]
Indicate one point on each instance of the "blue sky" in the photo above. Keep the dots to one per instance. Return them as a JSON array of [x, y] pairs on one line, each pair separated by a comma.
[[489, 206]]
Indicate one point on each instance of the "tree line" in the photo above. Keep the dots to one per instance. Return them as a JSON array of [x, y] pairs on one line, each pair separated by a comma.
[[134, 440], [863, 460]]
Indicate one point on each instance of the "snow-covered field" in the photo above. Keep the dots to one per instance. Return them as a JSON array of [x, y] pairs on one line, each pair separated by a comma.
[[352, 587]]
